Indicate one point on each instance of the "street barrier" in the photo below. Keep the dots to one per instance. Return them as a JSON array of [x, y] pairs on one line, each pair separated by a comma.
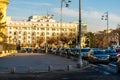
[[69, 67], [30, 70], [50, 68], [13, 70]]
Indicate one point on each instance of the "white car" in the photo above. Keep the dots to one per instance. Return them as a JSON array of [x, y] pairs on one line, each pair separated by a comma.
[[54, 50]]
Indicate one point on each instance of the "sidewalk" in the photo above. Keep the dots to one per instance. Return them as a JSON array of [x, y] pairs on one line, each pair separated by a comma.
[[84, 74]]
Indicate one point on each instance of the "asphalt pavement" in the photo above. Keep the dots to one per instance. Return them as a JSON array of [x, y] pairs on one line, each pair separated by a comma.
[[36, 62], [36, 67]]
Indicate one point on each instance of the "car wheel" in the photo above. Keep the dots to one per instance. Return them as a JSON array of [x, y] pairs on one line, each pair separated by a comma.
[[118, 68]]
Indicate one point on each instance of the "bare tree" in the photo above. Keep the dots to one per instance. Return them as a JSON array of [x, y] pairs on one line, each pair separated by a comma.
[[52, 40]]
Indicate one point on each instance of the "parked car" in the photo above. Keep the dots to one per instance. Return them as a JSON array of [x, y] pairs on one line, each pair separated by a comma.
[[94, 48], [42, 49], [28, 50], [73, 51], [58, 51], [23, 51], [84, 52], [112, 53], [49, 50], [118, 65], [118, 52], [54, 50], [98, 56], [63, 52], [35, 51]]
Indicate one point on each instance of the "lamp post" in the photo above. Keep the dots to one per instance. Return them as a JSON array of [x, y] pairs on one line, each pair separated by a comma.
[[105, 17], [80, 63], [67, 5]]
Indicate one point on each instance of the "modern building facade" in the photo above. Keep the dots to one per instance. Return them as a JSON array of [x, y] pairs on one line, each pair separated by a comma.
[[37, 28]]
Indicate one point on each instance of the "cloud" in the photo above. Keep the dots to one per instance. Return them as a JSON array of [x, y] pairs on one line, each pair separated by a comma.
[[70, 12], [91, 14], [92, 17], [18, 18], [95, 28], [75, 14], [26, 8], [95, 23], [67, 12], [30, 3], [38, 4], [114, 18]]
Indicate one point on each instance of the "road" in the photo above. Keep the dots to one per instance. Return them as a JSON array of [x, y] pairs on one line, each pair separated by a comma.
[[37, 63]]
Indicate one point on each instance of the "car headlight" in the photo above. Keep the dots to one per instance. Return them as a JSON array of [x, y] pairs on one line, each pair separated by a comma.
[[95, 57], [108, 56], [118, 55]]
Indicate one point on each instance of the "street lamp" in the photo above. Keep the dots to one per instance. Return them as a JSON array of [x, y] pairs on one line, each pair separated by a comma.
[[105, 17], [80, 63], [66, 5]]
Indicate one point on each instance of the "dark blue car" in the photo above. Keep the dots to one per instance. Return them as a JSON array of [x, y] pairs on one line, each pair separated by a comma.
[[112, 53], [98, 56]]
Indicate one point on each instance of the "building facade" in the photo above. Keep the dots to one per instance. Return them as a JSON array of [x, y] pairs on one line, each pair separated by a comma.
[[36, 28], [3, 8]]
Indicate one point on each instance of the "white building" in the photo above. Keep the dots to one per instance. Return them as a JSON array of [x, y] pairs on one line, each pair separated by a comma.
[[36, 28]]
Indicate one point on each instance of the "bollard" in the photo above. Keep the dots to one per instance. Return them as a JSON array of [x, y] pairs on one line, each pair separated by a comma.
[[69, 67], [30, 70], [49, 68], [87, 63], [79, 65], [13, 70]]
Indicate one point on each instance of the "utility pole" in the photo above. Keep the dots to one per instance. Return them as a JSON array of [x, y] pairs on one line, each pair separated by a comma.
[[80, 63]]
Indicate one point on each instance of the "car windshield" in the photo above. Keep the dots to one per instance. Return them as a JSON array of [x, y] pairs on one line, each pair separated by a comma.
[[85, 50], [54, 48], [117, 50], [110, 51], [99, 52], [73, 50], [66, 49], [62, 49]]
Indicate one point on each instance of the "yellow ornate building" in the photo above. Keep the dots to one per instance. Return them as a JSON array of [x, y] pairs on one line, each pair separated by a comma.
[[3, 8]]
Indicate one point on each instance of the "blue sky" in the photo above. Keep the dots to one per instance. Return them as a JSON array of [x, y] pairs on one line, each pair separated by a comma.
[[92, 10]]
